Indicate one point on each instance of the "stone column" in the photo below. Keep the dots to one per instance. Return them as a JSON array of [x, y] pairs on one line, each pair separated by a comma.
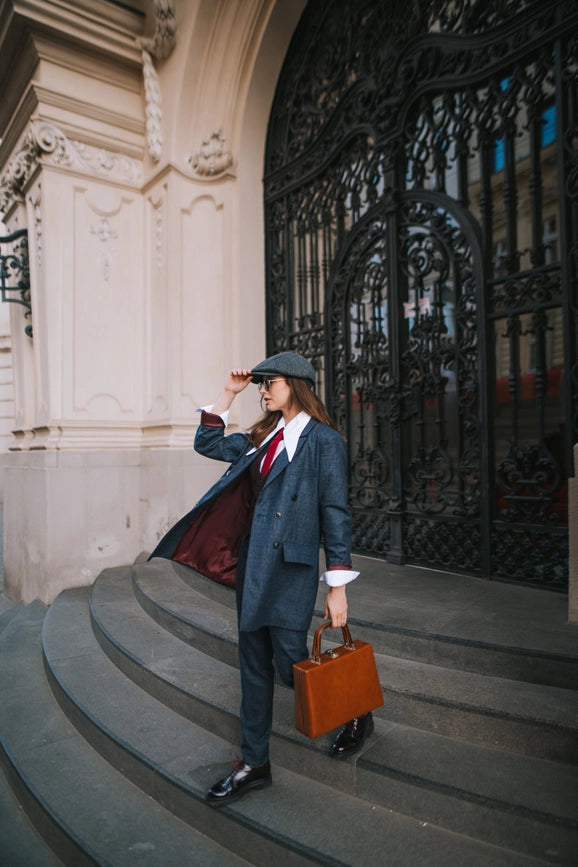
[[72, 486], [74, 144]]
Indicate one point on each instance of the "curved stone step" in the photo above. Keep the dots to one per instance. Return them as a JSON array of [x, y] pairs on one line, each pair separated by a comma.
[[20, 843], [149, 649], [405, 624], [87, 811], [525, 803], [494, 711], [8, 611], [207, 623], [176, 760]]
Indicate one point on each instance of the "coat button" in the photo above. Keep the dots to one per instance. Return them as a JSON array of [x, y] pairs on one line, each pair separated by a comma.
[[275, 544], [277, 514]]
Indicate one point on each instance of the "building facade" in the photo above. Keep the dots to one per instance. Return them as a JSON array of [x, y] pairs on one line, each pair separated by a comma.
[[200, 183]]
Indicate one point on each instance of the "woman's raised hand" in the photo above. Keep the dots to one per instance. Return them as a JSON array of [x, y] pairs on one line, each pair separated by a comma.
[[238, 380]]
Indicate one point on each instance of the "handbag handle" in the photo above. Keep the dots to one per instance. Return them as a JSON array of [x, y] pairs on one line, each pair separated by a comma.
[[316, 652]]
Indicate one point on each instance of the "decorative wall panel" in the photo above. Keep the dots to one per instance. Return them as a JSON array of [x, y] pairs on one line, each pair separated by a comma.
[[105, 303], [203, 310]]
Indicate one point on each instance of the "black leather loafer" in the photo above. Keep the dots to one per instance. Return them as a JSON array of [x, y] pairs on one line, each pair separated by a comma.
[[352, 736], [242, 778]]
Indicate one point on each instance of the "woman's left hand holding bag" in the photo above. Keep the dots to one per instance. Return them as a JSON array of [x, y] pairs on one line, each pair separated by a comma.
[[336, 606]]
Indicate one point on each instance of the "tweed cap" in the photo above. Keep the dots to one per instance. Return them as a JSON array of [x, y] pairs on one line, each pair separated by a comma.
[[285, 364]]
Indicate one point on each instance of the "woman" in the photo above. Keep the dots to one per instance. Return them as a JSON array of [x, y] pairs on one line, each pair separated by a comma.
[[259, 528]]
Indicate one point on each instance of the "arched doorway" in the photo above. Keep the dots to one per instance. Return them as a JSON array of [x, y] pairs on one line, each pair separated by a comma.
[[420, 222]]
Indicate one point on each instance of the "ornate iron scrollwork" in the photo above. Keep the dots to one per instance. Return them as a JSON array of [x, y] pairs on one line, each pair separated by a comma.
[[15, 272], [421, 251], [529, 476]]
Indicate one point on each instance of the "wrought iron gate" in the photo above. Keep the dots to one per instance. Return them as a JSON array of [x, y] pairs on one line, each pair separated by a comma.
[[421, 198]]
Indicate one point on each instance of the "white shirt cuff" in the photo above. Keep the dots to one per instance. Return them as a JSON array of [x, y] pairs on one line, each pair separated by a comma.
[[223, 415], [338, 577]]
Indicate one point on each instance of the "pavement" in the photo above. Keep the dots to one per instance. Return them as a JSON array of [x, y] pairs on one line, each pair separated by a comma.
[[5, 603], [418, 600]]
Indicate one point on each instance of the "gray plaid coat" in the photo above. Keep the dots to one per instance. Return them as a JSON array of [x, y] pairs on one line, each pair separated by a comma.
[[303, 503]]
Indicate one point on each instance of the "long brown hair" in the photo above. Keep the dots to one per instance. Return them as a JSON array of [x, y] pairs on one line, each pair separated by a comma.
[[304, 398]]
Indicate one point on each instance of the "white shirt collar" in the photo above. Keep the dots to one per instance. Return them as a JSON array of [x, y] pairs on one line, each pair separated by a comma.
[[291, 434], [293, 431]]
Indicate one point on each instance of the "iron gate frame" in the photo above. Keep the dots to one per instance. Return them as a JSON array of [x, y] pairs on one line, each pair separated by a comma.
[[428, 61]]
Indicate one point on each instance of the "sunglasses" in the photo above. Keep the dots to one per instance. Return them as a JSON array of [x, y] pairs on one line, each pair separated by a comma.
[[266, 384]]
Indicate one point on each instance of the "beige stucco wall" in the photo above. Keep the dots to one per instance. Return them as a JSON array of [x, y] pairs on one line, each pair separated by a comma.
[[147, 274]]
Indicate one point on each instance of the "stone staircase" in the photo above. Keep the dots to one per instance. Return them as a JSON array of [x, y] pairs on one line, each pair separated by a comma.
[[119, 708]]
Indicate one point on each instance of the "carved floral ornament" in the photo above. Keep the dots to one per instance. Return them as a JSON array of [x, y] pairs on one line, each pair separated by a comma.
[[45, 142], [213, 161]]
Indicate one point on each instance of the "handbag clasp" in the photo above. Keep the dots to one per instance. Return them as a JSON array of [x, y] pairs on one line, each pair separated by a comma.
[[316, 651]]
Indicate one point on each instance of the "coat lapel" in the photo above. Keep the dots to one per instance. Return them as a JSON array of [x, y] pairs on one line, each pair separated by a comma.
[[283, 461], [278, 466]]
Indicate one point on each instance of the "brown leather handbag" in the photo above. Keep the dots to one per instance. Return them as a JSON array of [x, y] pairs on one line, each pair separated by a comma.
[[335, 686]]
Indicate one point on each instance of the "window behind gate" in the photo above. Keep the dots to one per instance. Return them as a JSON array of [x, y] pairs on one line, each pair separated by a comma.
[[421, 196]]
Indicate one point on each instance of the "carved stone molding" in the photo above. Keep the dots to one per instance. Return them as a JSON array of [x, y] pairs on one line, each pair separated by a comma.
[[107, 164], [46, 143], [212, 161], [104, 232], [159, 233], [19, 169], [164, 37], [36, 204], [157, 202], [158, 47], [153, 108]]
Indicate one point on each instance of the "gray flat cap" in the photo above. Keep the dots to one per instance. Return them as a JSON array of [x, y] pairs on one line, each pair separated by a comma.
[[285, 364]]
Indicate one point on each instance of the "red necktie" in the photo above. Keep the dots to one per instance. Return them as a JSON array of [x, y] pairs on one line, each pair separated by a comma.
[[270, 454]]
